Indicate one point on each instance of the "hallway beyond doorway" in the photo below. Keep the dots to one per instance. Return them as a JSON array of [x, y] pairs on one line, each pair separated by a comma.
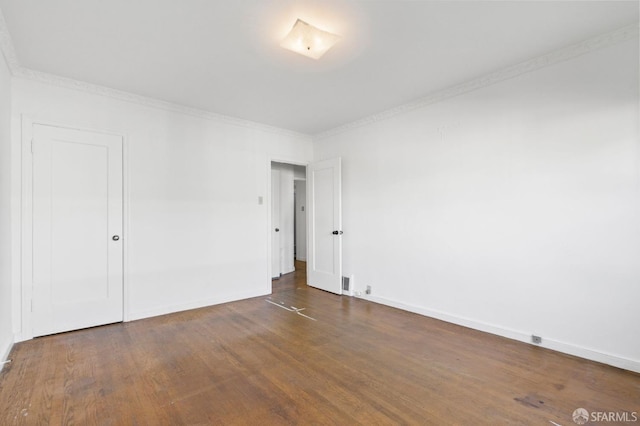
[[292, 281]]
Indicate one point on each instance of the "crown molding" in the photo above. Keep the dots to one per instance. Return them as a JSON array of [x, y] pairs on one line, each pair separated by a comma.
[[18, 71], [120, 95], [586, 46], [6, 45], [560, 55]]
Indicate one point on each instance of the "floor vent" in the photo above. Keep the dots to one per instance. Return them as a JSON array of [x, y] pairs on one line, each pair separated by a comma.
[[345, 284]]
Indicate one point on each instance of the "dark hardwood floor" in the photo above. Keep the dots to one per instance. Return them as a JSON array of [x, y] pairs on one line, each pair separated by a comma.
[[252, 362]]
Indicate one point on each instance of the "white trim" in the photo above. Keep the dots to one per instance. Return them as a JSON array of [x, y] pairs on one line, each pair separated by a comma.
[[18, 71], [560, 55], [126, 228], [121, 95], [268, 196], [196, 304], [556, 345], [6, 45], [16, 230], [26, 218], [5, 349], [289, 162]]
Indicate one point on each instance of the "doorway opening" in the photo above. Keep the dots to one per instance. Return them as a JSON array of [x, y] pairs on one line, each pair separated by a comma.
[[288, 218]]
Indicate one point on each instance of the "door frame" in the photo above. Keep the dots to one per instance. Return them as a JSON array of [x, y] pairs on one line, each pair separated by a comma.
[[268, 206], [274, 253], [25, 331]]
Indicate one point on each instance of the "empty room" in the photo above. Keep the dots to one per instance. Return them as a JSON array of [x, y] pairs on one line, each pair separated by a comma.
[[332, 212]]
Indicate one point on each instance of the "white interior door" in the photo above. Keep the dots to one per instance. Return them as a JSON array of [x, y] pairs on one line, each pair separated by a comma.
[[275, 224], [77, 229], [324, 260]]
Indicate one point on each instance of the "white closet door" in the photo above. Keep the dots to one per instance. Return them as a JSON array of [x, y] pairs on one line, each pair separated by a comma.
[[77, 229]]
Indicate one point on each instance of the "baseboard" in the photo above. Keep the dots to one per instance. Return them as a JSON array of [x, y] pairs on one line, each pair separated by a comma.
[[5, 349], [170, 309], [567, 348]]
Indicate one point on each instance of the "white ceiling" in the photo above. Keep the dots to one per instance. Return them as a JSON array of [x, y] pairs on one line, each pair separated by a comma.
[[223, 56]]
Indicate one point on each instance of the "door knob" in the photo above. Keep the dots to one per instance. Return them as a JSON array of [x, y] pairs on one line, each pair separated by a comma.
[[277, 229], [337, 232], [115, 238]]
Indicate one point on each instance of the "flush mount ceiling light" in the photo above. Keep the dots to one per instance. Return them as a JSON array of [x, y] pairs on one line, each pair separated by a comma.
[[308, 40]]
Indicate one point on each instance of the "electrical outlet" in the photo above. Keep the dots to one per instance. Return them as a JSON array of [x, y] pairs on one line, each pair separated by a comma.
[[536, 339], [368, 289]]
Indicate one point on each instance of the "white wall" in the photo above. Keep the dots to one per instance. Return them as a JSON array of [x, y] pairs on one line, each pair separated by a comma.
[[300, 187], [195, 233], [6, 330], [513, 209]]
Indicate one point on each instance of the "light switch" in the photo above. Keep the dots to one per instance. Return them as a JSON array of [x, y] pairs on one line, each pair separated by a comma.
[[259, 200]]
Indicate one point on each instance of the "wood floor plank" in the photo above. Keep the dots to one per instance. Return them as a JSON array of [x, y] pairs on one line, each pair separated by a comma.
[[251, 362]]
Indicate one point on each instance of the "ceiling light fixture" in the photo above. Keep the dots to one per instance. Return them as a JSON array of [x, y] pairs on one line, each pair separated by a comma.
[[308, 40]]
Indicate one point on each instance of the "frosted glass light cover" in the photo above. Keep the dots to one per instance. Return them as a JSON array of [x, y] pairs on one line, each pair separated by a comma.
[[308, 40]]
